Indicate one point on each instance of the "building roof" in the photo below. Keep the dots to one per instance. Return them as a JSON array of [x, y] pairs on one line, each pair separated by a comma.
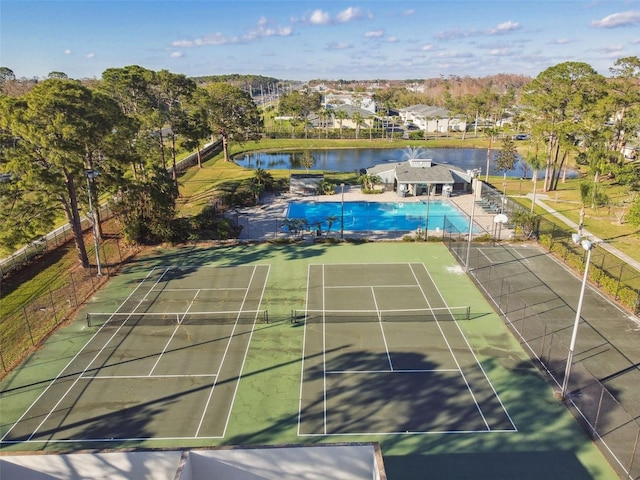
[[419, 171], [427, 111]]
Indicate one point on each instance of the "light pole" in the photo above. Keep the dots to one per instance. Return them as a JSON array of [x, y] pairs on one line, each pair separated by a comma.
[[342, 211], [588, 246], [473, 211], [91, 174], [426, 218]]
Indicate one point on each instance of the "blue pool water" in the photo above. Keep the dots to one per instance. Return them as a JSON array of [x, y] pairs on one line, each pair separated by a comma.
[[389, 216]]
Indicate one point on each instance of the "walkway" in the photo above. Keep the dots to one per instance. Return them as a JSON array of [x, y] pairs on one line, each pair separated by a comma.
[[601, 243]]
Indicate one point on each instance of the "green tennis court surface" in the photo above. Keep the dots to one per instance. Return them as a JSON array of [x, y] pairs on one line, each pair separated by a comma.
[[270, 344], [413, 370]]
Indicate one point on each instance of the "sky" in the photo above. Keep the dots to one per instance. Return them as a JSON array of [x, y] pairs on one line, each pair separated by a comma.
[[301, 40]]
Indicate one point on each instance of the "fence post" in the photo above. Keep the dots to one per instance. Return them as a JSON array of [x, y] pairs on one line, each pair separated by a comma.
[[53, 307], [26, 321], [73, 289]]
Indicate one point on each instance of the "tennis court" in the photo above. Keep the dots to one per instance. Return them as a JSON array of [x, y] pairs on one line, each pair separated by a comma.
[[381, 337], [164, 364], [372, 342]]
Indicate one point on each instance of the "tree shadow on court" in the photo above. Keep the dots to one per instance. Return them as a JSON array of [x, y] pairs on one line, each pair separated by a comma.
[[546, 443]]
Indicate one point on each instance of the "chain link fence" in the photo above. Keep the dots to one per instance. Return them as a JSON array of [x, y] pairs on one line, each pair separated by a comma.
[[25, 327], [537, 328]]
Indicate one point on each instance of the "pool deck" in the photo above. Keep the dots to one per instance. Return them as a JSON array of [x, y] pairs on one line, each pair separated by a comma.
[[263, 222]]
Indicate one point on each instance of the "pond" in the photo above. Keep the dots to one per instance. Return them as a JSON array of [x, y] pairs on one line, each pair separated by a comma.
[[355, 159]]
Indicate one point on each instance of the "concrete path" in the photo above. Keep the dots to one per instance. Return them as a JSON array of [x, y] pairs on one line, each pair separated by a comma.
[[585, 233]]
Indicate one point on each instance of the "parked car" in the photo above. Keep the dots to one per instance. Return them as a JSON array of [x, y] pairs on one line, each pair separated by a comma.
[[521, 136]]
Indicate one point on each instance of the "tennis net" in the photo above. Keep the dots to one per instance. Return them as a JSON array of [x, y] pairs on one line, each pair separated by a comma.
[[442, 314], [177, 318]]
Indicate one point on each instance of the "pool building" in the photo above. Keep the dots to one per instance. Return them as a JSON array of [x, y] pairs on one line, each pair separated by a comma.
[[423, 176]]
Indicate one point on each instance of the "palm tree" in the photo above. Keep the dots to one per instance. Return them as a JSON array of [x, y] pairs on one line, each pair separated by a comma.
[[369, 181], [357, 118], [340, 115], [536, 163]]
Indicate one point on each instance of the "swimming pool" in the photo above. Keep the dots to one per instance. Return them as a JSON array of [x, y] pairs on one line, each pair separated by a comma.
[[381, 216]]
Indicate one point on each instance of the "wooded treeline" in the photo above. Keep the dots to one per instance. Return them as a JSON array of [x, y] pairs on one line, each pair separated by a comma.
[[58, 133], [64, 142]]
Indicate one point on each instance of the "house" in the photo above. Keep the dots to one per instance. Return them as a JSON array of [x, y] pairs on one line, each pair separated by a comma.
[[367, 118], [422, 177], [364, 102], [431, 119]]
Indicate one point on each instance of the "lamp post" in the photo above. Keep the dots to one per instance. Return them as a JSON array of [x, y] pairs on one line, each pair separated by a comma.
[[473, 211], [342, 211], [588, 246], [91, 174], [426, 218]]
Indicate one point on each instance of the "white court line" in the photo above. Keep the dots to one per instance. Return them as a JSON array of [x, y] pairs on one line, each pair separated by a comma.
[[223, 289], [477, 360], [430, 370], [175, 330], [408, 432], [224, 356], [246, 351], [384, 337], [464, 378], [73, 359], [304, 346], [324, 355], [346, 287], [125, 377]]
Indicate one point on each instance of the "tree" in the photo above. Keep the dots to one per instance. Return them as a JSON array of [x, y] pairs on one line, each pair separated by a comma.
[[536, 162], [146, 207], [171, 92], [60, 126], [624, 94], [369, 181], [60, 75], [300, 104], [232, 113], [341, 115], [507, 155], [558, 101], [6, 75], [307, 160], [193, 125], [357, 119]]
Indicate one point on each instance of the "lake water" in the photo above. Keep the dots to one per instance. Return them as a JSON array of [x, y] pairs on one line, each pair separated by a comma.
[[382, 216], [355, 159]]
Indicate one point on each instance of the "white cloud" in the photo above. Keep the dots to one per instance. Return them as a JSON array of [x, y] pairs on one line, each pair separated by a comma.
[[176, 55], [563, 41], [392, 39], [624, 19], [408, 13], [318, 17], [67, 51], [90, 55], [374, 34], [349, 14], [427, 48], [504, 27], [262, 30], [338, 46], [499, 52]]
